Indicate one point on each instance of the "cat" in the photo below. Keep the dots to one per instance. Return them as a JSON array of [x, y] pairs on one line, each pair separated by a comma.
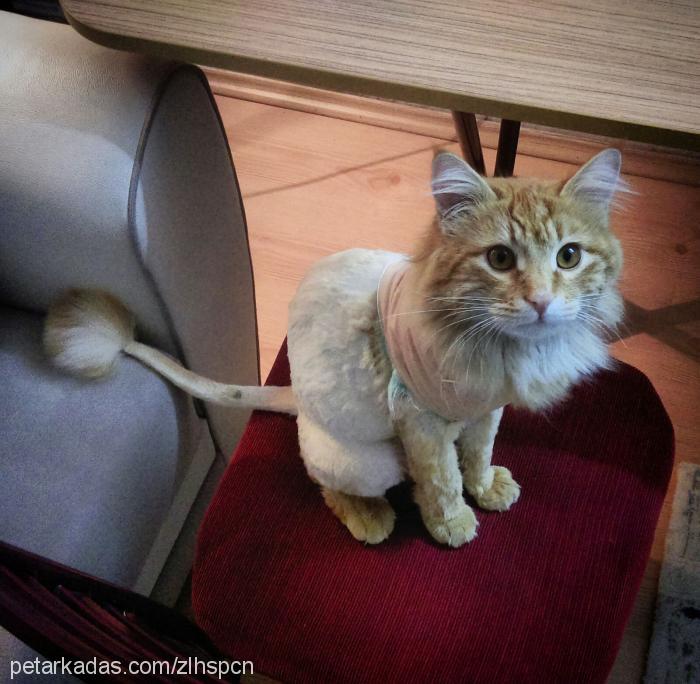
[[401, 366]]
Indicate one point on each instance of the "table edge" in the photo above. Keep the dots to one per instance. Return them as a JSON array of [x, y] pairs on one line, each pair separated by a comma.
[[360, 85]]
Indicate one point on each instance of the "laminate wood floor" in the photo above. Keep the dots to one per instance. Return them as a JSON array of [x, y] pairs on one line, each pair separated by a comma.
[[314, 185]]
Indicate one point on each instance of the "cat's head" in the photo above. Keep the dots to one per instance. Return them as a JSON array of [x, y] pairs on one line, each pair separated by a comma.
[[525, 257]]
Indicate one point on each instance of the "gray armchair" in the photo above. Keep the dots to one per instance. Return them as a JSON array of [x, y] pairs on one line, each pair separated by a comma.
[[114, 173]]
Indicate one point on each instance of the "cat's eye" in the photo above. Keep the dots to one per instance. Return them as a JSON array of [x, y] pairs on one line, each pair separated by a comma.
[[569, 256], [501, 258]]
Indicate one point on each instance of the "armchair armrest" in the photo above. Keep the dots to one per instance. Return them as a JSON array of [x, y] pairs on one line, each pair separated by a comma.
[[115, 173]]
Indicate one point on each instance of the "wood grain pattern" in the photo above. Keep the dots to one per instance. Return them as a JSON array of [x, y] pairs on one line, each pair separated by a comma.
[[314, 185], [639, 159], [625, 69]]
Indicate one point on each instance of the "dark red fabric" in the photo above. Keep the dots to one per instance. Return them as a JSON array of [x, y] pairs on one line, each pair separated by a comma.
[[63, 613], [541, 595]]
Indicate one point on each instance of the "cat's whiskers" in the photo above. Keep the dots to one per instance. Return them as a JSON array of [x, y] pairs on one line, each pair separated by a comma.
[[477, 319], [599, 322], [478, 306], [466, 300], [487, 338], [463, 296], [455, 342], [597, 308], [498, 327], [491, 339], [474, 314], [588, 306], [491, 323], [459, 342], [483, 323], [475, 332], [420, 311]]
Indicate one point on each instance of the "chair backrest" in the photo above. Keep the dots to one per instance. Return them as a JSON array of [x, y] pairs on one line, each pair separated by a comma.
[[115, 173], [71, 118]]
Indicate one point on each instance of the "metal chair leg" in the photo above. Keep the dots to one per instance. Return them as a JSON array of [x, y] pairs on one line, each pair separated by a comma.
[[468, 135], [507, 147]]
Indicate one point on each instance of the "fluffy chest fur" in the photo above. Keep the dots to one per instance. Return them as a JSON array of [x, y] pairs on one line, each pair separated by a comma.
[[463, 377]]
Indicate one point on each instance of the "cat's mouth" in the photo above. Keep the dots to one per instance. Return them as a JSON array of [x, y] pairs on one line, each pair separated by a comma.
[[535, 328], [528, 321]]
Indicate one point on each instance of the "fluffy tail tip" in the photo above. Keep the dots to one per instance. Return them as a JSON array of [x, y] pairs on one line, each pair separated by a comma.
[[85, 331]]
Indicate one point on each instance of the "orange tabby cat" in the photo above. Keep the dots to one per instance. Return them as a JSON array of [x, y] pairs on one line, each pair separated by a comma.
[[401, 366]]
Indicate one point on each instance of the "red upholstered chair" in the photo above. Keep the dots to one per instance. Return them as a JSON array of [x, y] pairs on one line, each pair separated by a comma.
[[541, 595]]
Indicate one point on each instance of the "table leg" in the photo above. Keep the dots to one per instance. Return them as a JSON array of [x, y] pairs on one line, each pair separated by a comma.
[[507, 147], [468, 135]]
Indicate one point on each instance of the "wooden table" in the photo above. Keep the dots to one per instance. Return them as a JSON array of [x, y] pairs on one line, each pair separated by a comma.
[[624, 69]]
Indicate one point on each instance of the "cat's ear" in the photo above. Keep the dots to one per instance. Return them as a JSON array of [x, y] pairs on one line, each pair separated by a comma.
[[597, 181], [457, 188]]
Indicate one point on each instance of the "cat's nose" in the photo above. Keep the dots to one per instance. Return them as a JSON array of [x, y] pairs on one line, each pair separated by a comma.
[[539, 302]]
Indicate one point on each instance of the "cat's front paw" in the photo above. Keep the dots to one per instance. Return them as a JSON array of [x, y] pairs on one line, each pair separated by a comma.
[[501, 495], [454, 531]]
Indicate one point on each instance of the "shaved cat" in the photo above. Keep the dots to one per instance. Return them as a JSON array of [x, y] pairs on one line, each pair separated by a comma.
[[401, 366]]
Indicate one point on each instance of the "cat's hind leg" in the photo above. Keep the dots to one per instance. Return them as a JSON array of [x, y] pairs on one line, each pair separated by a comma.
[[369, 519], [492, 487], [353, 476]]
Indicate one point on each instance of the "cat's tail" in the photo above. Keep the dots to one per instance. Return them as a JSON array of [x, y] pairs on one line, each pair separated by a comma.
[[87, 330]]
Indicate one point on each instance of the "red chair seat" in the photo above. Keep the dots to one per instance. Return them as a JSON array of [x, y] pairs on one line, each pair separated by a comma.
[[541, 595]]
